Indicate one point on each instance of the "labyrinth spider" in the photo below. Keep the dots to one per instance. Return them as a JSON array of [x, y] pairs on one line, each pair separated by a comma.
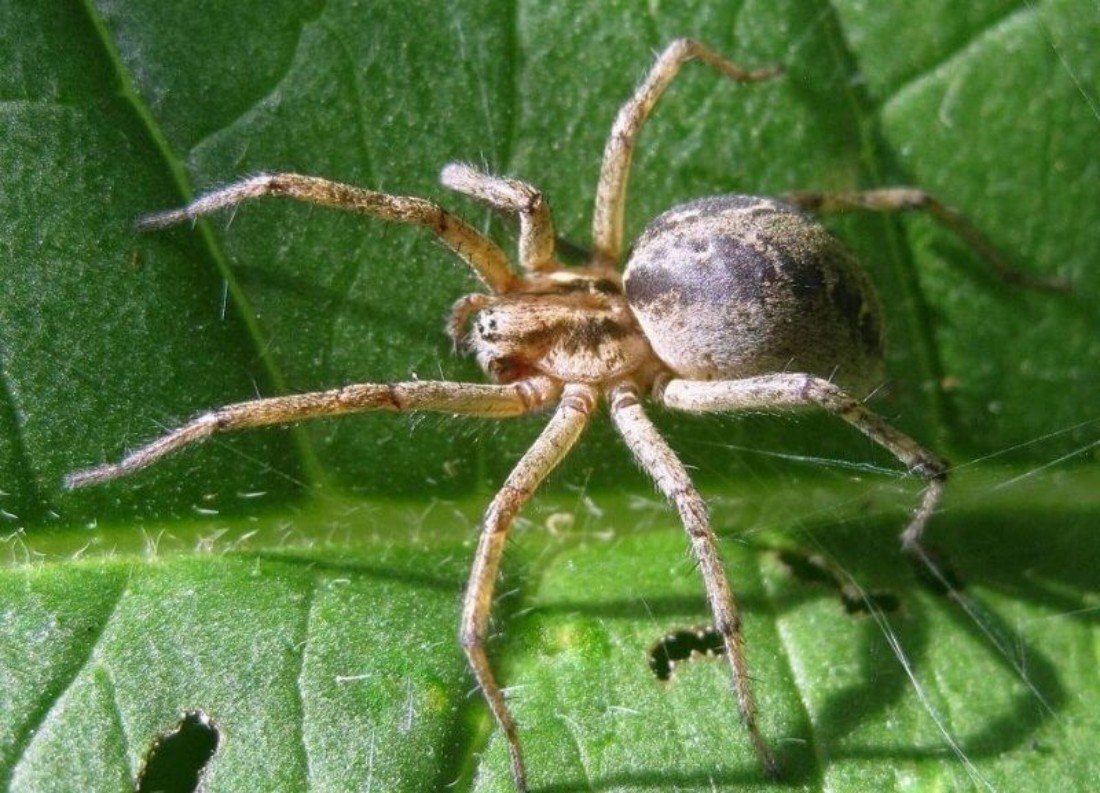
[[726, 303]]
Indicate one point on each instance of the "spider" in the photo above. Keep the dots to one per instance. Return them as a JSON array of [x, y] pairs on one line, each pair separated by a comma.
[[726, 303]]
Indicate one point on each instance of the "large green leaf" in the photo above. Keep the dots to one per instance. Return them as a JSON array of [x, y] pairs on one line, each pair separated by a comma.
[[300, 587]]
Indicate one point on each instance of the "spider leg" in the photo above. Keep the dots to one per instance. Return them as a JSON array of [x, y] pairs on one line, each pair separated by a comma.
[[547, 451], [536, 229], [472, 399], [777, 391], [482, 255], [909, 199], [607, 218], [660, 462]]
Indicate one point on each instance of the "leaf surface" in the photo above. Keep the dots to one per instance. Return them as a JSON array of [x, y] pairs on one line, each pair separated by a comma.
[[301, 587]]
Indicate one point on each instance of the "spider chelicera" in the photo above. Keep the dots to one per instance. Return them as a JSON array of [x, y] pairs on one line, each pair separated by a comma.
[[726, 303]]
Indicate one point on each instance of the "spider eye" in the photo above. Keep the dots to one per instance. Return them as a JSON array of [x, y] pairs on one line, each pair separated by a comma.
[[488, 326]]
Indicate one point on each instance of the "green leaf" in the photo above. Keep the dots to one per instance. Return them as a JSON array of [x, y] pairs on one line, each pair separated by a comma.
[[301, 587]]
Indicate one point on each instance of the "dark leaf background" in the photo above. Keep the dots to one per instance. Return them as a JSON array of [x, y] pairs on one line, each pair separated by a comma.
[[300, 586]]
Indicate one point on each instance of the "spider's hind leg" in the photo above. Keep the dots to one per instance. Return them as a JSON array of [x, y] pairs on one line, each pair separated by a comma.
[[607, 216], [661, 463], [912, 199], [785, 391]]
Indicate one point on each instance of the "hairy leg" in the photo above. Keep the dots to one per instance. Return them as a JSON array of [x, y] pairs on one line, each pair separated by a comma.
[[607, 218], [536, 230], [782, 391], [660, 462], [482, 255], [548, 450], [911, 199], [473, 399]]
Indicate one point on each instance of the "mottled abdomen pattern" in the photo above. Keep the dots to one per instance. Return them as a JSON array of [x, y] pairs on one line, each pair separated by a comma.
[[736, 286]]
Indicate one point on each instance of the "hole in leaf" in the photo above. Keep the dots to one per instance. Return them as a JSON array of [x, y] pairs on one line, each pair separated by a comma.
[[817, 569], [177, 757], [687, 644]]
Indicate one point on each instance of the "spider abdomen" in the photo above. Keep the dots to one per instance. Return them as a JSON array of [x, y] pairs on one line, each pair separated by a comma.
[[738, 286]]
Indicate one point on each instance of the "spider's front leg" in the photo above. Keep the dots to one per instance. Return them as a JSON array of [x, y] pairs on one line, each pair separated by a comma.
[[548, 450], [471, 399], [482, 255], [661, 463], [785, 391]]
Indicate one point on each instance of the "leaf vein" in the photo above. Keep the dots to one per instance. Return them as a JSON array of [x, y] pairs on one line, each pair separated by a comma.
[[303, 645], [25, 739], [978, 39], [248, 316], [18, 438]]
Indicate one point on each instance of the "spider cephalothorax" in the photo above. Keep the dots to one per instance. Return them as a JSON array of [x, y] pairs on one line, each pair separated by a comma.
[[730, 303], [575, 326]]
